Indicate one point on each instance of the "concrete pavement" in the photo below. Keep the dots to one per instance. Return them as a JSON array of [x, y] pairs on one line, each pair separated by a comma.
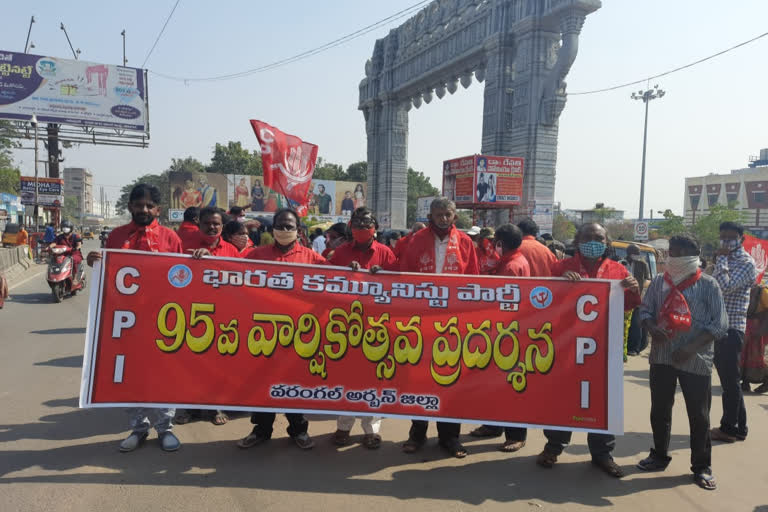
[[54, 456]]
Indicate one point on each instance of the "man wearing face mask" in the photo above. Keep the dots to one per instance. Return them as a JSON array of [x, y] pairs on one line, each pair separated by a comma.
[[684, 312], [144, 233], [366, 253], [735, 273], [439, 249], [506, 243], [286, 249], [209, 241], [639, 269], [590, 261]]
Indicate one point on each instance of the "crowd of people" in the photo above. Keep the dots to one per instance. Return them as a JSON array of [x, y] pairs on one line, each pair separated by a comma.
[[694, 320]]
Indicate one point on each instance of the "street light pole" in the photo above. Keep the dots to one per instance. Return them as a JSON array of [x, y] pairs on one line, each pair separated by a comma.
[[646, 97], [125, 61]]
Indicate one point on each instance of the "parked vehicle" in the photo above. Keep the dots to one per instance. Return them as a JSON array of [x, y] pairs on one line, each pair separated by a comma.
[[61, 274], [88, 235], [10, 234]]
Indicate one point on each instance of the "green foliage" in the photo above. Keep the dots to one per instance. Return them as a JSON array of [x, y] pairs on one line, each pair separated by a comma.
[[621, 230], [9, 172], [358, 171], [70, 210], [418, 186], [671, 225], [464, 219], [188, 164], [707, 228], [233, 158], [329, 171], [562, 228], [158, 180]]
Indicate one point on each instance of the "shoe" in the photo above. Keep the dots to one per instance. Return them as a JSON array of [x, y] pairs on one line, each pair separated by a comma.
[[487, 431], [303, 441], [633, 353], [341, 437], [133, 441], [252, 440], [718, 435], [609, 466], [169, 442], [653, 463], [546, 459]]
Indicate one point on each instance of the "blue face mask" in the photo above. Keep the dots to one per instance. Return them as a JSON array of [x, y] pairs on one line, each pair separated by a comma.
[[592, 250], [730, 245]]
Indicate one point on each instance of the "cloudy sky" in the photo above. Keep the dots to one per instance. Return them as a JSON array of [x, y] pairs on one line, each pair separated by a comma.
[[711, 120]]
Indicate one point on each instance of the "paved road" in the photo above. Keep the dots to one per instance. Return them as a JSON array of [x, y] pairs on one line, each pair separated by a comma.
[[54, 456]]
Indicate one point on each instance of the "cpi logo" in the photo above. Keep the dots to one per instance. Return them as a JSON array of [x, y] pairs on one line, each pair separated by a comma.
[[179, 276], [541, 297]]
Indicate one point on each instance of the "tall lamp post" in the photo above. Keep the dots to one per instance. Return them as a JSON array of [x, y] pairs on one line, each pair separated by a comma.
[[646, 97], [34, 124], [125, 61]]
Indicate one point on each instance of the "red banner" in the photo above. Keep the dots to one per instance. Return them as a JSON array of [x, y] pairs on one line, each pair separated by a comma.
[[288, 163], [758, 249], [168, 330]]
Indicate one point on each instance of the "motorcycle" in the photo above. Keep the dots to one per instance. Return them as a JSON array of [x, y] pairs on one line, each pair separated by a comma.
[[61, 274]]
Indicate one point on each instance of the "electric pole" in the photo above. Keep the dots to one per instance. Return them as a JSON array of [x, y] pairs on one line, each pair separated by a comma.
[[646, 97]]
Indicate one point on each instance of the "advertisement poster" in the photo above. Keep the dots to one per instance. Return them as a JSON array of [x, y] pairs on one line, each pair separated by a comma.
[[483, 181], [50, 191], [72, 92], [252, 335], [458, 180], [199, 189], [422, 208]]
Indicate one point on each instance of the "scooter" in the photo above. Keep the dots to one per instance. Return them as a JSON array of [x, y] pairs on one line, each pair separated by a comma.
[[60, 273]]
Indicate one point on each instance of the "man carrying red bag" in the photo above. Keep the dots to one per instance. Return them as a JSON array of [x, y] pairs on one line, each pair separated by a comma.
[[684, 312]]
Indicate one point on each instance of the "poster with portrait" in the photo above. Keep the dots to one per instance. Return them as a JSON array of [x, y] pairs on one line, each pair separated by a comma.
[[239, 190], [322, 197], [459, 179], [201, 189], [350, 195]]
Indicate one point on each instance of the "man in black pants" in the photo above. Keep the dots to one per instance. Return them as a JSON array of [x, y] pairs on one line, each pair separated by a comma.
[[262, 430], [682, 352]]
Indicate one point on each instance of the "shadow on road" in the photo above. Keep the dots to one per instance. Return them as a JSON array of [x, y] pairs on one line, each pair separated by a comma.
[[72, 424], [31, 298], [63, 362], [61, 330]]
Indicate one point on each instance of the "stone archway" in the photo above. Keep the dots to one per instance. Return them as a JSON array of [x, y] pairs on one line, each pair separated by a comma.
[[521, 49]]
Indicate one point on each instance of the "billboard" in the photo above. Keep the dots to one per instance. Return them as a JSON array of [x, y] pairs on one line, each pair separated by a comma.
[[327, 199], [483, 181], [50, 191], [422, 208], [72, 92]]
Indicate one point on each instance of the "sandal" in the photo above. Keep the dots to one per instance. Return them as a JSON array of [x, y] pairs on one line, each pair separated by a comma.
[[413, 445], [252, 440], [705, 481], [486, 431], [182, 417], [546, 459], [372, 441], [610, 467], [220, 418], [341, 437], [652, 463], [454, 448], [511, 446], [762, 388]]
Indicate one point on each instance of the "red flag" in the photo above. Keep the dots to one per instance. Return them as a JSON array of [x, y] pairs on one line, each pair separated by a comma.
[[758, 249], [288, 163]]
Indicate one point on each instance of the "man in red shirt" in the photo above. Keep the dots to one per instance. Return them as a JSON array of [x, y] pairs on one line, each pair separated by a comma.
[[507, 240], [189, 231], [209, 241], [403, 242], [439, 249], [362, 252], [591, 261], [539, 257], [286, 249], [363, 248], [144, 233]]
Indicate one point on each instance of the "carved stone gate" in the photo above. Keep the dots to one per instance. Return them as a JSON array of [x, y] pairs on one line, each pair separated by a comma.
[[521, 49]]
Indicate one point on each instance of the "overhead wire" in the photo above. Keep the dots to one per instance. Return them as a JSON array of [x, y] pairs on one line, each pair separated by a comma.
[[303, 55], [666, 73], [161, 33]]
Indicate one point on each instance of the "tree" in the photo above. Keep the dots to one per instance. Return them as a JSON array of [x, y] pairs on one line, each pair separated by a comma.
[[624, 230], [188, 164], [9, 172], [418, 186], [671, 225], [464, 219], [70, 210], [707, 228], [329, 171], [235, 159], [358, 171], [562, 228], [158, 180]]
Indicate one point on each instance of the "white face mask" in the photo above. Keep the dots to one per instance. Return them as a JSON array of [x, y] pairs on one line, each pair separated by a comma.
[[66, 230], [681, 267]]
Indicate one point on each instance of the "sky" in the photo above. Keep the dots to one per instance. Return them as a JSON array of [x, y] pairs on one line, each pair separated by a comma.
[[712, 118]]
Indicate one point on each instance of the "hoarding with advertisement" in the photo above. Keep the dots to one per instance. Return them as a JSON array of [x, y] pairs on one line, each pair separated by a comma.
[[49, 191], [201, 189], [73, 92], [484, 181], [254, 335], [422, 208]]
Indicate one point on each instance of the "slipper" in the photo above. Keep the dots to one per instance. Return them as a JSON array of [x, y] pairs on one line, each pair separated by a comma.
[[609, 466], [341, 437], [762, 388], [372, 441], [454, 448], [251, 440], [220, 418], [413, 445], [182, 417], [512, 446], [705, 481], [486, 431], [546, 459]]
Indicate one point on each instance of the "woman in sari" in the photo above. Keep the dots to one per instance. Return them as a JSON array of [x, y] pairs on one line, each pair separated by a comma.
[[754, 367]]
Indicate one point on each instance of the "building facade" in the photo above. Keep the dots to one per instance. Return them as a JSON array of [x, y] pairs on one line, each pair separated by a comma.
[[78, 182], [744, 189]]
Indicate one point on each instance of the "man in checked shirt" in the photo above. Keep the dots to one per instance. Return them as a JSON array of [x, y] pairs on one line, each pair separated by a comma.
[[735, 273]]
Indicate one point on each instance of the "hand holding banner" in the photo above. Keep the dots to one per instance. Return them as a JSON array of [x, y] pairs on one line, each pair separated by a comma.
[[169, 330], [288, 163]]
